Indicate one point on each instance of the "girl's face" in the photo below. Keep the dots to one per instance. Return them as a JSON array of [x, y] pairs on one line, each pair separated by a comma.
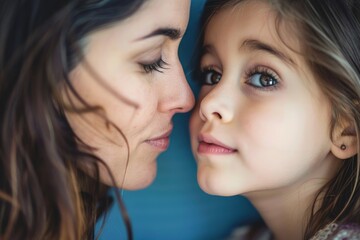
[[140, 85], [261, 122]]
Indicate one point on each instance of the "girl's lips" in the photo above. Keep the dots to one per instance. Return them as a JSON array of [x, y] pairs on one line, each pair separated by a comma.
[[208, 148], [210, 145]]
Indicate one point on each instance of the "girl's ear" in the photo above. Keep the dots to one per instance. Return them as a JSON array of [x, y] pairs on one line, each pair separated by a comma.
[[344, 142]]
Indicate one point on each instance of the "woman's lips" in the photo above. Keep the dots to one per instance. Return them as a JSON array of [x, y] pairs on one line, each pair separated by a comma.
[[161, 142], [210, 145]]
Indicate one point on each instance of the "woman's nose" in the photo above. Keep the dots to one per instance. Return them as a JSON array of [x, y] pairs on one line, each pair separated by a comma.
[[177, 96]]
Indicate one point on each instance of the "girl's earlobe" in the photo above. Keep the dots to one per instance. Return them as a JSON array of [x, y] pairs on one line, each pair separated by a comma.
[[344, 144]]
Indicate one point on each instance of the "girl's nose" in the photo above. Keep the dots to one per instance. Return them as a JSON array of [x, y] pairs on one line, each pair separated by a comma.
[[217, 105]]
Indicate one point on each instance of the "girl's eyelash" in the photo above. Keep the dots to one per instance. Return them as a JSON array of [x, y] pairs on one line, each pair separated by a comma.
[[263, 71], [158, 65], [207, 68], [204, 71], [260, 78]]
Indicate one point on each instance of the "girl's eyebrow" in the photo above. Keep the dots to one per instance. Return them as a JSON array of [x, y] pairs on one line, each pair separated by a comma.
[[257, 45], [253, 44], [209, 49]]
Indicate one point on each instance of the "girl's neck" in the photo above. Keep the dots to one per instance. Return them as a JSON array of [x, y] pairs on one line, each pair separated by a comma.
[[286, 211]]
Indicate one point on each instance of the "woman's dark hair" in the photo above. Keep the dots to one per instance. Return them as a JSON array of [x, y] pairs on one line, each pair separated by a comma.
[[329, 33], [44, 191]]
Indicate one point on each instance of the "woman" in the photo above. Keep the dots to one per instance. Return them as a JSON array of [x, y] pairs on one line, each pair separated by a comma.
[[88, 90]]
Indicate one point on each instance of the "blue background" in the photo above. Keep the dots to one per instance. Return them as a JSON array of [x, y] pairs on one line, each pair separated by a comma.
[[174, 207]]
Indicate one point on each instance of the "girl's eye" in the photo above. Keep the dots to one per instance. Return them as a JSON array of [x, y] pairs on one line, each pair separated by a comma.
[[262, 78], [158, 65], [210, 77]]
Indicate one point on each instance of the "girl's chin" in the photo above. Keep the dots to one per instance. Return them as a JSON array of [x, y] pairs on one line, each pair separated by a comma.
[[214, 184]]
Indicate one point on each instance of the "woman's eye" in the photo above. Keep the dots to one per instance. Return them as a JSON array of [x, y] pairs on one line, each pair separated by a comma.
[[158, 66], [210, 77]]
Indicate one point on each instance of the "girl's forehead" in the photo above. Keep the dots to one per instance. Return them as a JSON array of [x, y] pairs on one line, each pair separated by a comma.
[[254, 27], [254, 20], [239, 17]]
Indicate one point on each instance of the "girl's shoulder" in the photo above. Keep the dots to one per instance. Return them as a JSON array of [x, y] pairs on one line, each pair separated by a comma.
[[348, 231], [251, 232]]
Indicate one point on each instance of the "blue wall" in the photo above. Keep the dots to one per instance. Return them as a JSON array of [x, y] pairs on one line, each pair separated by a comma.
[[174, 207]]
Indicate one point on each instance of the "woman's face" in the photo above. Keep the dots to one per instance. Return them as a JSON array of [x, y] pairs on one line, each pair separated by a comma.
[[136, 77], [261, 122]]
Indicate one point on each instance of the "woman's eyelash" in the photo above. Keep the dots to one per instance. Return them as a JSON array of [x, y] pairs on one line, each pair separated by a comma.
[[155, 66]]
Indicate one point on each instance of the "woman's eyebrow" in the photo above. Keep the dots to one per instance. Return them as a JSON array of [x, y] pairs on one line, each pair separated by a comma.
[[172, 33], [261, 46]]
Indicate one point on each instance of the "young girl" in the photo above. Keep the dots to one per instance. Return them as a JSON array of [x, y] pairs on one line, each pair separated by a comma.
[[278, 117], [88, 89]]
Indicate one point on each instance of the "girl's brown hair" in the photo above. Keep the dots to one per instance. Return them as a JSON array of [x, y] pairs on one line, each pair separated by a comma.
[[330, 34]]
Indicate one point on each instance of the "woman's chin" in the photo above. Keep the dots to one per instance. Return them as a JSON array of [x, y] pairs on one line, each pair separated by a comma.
[[138, 185], [137, 180]]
